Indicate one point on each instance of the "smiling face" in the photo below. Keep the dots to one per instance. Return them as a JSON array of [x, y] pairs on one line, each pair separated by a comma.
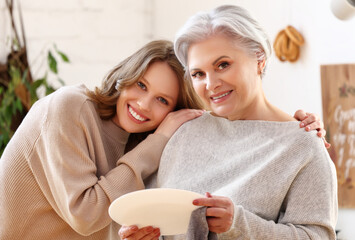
[[225, 78], [143, 106]]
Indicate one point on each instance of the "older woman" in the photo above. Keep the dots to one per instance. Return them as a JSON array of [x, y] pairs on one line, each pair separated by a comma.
[[278, 182], [269, 179]]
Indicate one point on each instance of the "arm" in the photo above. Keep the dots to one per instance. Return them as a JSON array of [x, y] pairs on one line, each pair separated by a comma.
[[66, 167], [309, 209], [167, 128], [72, 184], [144, 159]]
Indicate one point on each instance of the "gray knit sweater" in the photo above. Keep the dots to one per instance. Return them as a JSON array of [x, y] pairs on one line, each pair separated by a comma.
[[280, 177]]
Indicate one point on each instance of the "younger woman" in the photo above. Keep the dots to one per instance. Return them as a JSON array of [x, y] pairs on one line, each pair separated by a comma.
[[67, 161]]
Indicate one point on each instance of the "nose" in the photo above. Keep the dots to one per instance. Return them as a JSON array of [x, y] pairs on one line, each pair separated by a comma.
[[212, 82], [144, 103]]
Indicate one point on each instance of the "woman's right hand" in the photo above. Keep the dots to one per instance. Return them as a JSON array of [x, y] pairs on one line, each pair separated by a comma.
[[175, 119], [135, 233]]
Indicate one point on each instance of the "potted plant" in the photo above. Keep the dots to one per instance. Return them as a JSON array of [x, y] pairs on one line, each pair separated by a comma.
[[18, 88]]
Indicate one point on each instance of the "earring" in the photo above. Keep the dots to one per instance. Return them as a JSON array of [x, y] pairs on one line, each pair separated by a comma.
[[260, 71], [261, 66]]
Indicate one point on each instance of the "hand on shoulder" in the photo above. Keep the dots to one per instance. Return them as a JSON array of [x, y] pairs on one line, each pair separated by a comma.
[[175, 119]]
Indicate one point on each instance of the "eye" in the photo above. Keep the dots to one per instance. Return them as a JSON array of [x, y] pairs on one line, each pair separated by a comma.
[[163, 100], [197, 75], [223, 65], [142, 85]]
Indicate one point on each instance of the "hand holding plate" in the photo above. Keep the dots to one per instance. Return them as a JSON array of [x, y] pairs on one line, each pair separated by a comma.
[[220, 212], [135, 233]]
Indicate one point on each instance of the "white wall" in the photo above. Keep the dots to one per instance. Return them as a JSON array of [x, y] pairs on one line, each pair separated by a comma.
[[288, 85], [97, 34]]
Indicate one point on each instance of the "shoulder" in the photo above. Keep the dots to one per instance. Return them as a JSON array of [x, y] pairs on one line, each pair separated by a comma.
[[70, 100], [298, 138], [205, 120], [66, 103], [195, 125], [69, 97], [310, 148]]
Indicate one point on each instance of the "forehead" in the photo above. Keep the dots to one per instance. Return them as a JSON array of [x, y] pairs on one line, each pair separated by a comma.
[[162, 79], [206, 51]]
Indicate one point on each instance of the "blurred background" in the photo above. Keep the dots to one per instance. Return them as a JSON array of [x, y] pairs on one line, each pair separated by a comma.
[[95, 35]]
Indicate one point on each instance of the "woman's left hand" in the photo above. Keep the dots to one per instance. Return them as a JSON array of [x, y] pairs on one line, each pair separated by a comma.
[[311, 121], [219, 213]]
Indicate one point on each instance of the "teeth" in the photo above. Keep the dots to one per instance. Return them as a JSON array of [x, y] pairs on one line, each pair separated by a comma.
[[220, 96], [135, 115]]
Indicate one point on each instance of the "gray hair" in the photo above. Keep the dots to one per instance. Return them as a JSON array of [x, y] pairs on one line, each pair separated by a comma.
[[234, 22]]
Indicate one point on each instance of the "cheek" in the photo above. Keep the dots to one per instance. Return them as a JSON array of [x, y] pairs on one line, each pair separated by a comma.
[[199, 88], [160, 113]]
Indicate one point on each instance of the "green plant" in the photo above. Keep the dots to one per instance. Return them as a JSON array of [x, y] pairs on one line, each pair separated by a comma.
[[18, 89]]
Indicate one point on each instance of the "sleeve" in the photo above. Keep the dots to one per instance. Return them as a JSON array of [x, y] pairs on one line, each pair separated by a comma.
[[309, 210], [134, 167], [64, 166]]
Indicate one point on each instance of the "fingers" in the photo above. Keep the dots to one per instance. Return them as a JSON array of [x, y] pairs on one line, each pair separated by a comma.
[[153, 233], [185, 114], [212, 202], [217, 226], [134, 233], [219, 213], [318, 125], [322, 134], [126, 231], [310, 122], [175, 119], [300, 115]]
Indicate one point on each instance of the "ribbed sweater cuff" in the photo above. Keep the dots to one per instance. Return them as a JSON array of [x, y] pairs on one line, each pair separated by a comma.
[[145, 157]]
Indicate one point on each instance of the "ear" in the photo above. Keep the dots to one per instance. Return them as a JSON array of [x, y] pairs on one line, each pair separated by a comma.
[[261, 66]]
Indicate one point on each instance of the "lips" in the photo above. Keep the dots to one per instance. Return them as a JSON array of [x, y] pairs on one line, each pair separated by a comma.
[[220, 96], [137, 116]]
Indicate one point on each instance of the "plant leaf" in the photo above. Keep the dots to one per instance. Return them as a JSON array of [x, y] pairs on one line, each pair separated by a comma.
[[49, 90], [19, 105], [24, 76], [63, 56], [61, 81], [33, 89], [52, 63], [36, 84], [15, 75]]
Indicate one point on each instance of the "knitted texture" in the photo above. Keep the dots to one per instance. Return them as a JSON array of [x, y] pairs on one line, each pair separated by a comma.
[[63, 168], [280, 177]]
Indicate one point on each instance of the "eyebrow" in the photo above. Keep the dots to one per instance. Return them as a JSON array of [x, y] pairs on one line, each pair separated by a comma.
[[214, 62], [145, 81]]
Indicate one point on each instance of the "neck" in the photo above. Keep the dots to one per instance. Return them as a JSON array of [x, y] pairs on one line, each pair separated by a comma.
[[261, 109]]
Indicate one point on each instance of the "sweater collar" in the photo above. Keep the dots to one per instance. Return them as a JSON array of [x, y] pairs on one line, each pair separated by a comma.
[[115, 132]]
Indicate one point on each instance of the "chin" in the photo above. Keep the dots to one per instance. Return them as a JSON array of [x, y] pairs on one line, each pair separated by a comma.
[[221, 112]]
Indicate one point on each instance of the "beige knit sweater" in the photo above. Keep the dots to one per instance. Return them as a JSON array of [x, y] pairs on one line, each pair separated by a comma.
[[63, 168]]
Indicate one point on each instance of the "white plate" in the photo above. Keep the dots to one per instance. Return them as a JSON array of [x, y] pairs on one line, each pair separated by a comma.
[[165, 208]]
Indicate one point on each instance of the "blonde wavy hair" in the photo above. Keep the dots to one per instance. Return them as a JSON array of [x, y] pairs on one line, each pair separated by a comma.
[[131, 69]]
